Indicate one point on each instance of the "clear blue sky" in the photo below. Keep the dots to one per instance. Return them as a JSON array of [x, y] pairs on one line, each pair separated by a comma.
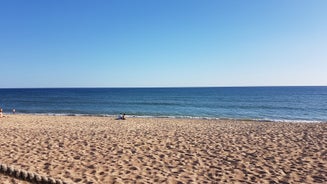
[[147, 43]]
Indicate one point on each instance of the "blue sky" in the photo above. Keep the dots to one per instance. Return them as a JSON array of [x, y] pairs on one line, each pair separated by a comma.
[[147, 43]]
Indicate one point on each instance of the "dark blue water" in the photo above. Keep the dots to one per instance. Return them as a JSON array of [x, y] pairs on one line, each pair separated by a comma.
[[263, 103]]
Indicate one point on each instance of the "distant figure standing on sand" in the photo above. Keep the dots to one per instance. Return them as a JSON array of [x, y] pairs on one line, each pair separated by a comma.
[[1, 115], [13, 111]]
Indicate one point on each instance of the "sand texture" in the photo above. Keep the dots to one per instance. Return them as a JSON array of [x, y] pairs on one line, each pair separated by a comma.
[[162, 150]]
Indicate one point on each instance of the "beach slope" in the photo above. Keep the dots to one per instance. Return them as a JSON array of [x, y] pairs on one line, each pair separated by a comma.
[[156, 150]]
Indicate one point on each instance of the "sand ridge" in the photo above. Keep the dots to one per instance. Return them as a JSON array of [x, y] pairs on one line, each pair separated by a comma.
[[164, 150]]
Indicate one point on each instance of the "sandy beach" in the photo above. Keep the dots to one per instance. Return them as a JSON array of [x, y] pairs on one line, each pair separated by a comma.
[[163, 150]]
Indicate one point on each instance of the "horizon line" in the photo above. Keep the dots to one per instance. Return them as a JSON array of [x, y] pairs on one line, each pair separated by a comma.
[[89, 87]]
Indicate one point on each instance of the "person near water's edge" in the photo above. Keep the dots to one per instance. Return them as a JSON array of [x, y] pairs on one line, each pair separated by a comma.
[[121, 117]]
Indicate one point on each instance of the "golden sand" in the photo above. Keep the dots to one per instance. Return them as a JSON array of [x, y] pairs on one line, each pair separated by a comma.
[[160, 150]]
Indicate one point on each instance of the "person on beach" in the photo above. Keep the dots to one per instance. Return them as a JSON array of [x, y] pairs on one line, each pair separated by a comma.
[[121, 117], [14, 111], [1, 115]]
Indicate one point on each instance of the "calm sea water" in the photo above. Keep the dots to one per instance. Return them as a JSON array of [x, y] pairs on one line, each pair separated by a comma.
[[260, 103]]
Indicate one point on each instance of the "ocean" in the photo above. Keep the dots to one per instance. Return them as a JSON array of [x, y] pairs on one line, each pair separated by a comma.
[[295, 104]]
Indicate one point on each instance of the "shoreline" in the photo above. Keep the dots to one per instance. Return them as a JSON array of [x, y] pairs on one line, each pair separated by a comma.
[[170, 117], [84, 149]]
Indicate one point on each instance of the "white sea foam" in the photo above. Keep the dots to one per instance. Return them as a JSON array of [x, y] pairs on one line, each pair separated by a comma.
[[183, 117]]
